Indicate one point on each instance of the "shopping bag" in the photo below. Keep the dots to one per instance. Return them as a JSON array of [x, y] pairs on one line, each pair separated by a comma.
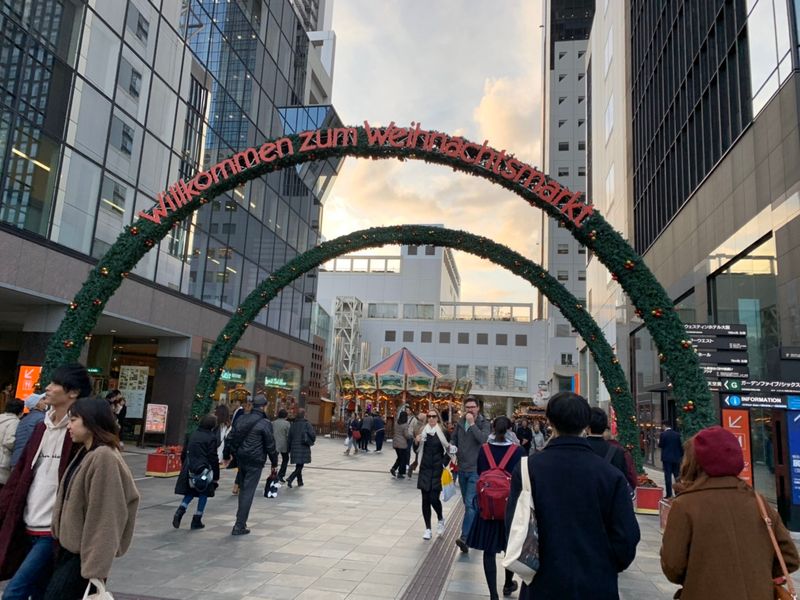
[[447, 478], [100, 594], [522, 549], [449, 491]]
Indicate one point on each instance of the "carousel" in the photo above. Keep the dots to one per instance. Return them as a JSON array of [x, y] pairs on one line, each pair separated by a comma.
[[402, 378]]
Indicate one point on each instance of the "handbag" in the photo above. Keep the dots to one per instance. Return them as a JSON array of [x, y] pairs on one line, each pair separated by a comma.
[[449, 488], [101, 594], [522, 549], [202, 480], [781, 593], [356, 434]]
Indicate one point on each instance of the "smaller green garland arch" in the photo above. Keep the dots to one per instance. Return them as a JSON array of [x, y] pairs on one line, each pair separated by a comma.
[[608, 364]]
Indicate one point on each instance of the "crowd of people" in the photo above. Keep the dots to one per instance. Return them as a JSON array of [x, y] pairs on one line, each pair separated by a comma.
[[68, 501]]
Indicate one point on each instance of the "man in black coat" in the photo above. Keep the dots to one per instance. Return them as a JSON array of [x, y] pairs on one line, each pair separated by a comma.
[[615, 455], [252, 441], [671, 455], [587, 530]]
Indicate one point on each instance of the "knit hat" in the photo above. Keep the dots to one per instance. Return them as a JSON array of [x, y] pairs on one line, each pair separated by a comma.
[[32, 400], [718, 452]]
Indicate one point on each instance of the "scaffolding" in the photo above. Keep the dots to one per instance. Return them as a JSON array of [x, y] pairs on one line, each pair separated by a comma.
[[346, 334]]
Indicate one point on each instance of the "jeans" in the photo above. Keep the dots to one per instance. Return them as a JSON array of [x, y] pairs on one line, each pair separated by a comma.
[[284, 465], [201, 503], [379, 435], [467, 482], [251, 475], [33, 575], [670, 469]]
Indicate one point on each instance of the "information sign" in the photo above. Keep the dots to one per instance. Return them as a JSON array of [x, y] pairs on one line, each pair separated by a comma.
[[738, 423], [26, 382], [156, 419], [755, 401], [793, 425], [718, 329], [133, 385]]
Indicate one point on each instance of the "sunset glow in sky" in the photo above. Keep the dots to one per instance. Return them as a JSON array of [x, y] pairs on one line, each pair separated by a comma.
[[465, 67]]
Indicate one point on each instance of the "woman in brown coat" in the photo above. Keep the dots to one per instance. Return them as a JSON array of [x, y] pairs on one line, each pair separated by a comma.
[[716, 543]]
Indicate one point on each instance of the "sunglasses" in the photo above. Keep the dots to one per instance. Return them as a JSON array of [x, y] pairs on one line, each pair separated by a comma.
[[433, 416]]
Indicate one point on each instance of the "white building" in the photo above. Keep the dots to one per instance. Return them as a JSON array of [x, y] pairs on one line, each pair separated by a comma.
[[567, 32], [413, 301]]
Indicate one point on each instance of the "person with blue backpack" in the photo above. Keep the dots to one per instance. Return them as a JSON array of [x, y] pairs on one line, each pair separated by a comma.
[[496, 461], [199, 475]]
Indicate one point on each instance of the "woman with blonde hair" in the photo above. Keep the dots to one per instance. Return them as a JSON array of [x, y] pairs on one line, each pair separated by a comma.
[[433, 447], [716, 543]]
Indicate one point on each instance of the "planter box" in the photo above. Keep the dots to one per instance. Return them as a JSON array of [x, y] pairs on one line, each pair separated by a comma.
[[663, 513], [163, 465], [647, 499]]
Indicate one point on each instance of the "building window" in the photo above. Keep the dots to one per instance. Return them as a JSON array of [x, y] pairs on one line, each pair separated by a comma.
[[444, 337], [581, 171], [581, 99], [463, 338], [608, 54], [481, 376], [566, 359], [581, 53], [562, 330], [581, 76], [563, 276], [382, 311], [482, 339], [430, 250], [408, 336], [520, 339], [563, 146], [562, 99], [561, 55], [412, 250], [562, 122], [609, 121], [562, 76], [581, 122], [426, 337], [501, 377], [582, 145], [462, 371], [390, 335], [521, 378], [443, 369], [418, 311], [581, 275], [563, 249], [563, 171], [581, 250], [137, 24], [501, 339]]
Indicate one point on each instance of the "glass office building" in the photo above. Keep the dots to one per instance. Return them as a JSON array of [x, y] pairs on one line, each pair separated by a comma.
[[105, 103]]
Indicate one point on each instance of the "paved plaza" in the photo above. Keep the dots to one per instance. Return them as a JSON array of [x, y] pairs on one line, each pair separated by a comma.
[[352, 532]]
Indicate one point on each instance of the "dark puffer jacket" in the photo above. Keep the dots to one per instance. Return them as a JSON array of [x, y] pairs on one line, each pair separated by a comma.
[[432, 464], [300, 433], [259, 443], [199, 453]]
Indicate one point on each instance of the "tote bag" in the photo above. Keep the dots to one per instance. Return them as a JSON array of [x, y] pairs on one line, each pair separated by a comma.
[[100, 594], [448, 485], [522, 549]]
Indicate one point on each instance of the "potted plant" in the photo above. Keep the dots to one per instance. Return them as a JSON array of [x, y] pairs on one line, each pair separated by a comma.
[[648, 496], [164, 462]]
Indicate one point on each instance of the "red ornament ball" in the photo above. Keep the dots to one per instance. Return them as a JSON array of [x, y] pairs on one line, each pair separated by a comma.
[[134, 231]]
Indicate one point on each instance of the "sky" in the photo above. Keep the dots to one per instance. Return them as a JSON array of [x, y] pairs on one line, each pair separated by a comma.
[[465, 67]]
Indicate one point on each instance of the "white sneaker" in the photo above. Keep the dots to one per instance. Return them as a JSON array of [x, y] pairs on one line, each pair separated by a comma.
[[426, 535], [440, 528]]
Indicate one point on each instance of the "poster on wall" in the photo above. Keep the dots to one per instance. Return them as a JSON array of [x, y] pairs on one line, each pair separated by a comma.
[[156, 420], [133, 385]]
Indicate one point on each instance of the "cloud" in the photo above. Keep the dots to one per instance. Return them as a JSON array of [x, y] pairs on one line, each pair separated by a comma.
[[468, 68]]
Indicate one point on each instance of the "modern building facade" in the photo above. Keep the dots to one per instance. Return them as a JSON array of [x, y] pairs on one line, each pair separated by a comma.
[[568, 23], [714, 190], [413, 301], [104, 105]]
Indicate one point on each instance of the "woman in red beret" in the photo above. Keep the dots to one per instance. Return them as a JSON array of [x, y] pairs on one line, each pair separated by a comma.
[[716, 544]]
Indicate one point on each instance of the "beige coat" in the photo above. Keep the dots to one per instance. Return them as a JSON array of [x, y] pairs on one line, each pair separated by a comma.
[[717, 545], [95, 516]]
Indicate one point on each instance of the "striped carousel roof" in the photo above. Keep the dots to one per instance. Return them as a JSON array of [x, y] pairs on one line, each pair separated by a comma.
[[405, 362]]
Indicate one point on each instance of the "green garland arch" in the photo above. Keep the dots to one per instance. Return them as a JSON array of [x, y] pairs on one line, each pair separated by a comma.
[[573, 311], [646, 293]]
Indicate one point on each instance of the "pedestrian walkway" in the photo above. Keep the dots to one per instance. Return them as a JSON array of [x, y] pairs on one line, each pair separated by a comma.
[[352, 532]]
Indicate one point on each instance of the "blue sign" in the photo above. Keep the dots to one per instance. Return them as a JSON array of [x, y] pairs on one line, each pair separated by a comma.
[[793, 402], [793, 424], [733, 400]]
